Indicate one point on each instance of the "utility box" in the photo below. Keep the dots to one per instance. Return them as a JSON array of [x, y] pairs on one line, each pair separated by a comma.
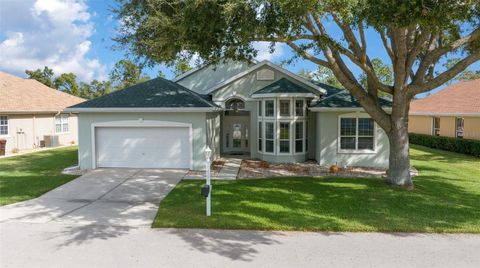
[[3, 145], [51, 140]]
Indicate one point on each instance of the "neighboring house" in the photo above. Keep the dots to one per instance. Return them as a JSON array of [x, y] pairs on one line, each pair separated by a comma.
[[256, 109], [451, 112], [29, 111]]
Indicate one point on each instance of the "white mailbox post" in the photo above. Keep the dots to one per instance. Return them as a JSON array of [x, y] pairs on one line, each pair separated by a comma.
[[208, 154]]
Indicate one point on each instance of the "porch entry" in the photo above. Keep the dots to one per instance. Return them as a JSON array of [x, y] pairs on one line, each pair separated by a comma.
[[236, 132]]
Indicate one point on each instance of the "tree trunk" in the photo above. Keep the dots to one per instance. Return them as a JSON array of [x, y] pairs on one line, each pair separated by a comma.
[[399, 161]]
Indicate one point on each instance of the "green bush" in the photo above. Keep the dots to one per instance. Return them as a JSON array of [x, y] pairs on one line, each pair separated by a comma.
[[463, 146]]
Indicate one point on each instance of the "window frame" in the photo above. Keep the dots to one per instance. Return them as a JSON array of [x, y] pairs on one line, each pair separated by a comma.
[[62, 123], [302, 138], [356, 150], [457, 129], [265, 108], [265, 137], [303, 108], [260, 109], [7, 125], [280, 122], [260, 140], [434, 126], [290, 112]]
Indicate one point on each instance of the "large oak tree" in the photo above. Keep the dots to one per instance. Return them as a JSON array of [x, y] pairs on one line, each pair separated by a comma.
[[416, 35]]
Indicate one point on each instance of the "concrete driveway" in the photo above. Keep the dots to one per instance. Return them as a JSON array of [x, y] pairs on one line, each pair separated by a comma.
[[121, 197]]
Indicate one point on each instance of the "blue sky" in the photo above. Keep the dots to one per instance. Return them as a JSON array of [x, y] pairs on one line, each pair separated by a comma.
[[76, 36]]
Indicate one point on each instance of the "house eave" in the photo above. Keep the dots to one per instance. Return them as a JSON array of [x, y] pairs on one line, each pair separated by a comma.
[[145, 110], [342, 109], [445, 114], [284, 95]]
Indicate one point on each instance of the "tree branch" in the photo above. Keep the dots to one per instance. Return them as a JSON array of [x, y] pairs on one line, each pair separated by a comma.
[[445, 76]]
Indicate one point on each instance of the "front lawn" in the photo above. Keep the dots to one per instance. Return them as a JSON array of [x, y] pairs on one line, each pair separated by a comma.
[[28, 176], [446, 199]]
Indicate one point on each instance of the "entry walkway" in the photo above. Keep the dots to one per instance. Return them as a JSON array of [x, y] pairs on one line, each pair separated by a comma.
[[230, 169]]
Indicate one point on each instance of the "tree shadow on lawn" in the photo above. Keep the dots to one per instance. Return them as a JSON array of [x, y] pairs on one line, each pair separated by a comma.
[[330, 204]]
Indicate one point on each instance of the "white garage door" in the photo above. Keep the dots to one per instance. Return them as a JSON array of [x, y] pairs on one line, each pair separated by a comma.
[[143, 147]]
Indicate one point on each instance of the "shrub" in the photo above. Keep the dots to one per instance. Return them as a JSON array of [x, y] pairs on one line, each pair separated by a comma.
[[463, 146]]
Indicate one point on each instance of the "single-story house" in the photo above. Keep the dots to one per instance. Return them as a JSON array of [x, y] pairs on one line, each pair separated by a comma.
[[31, 114], [451, 112], [260, 110]]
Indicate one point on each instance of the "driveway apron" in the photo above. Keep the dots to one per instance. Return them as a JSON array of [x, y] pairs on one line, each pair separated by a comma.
[[120, 197]]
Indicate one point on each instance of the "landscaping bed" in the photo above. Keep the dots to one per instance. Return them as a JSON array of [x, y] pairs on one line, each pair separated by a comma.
[[445, 199], [261, 169]]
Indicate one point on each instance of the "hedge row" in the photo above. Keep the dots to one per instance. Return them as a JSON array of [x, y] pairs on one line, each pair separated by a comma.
[[463, 146]]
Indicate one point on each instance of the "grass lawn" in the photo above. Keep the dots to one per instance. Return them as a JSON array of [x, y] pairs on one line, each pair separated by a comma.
[[446, 199], [28, 176]]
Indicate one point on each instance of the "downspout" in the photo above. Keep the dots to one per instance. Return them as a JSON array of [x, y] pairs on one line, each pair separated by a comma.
[[33, 135]]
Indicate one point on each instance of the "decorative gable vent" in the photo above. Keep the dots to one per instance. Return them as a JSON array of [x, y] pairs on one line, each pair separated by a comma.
[[265, 75]]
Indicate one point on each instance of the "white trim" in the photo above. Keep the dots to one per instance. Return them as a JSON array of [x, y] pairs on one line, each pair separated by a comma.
[[8, 127], [356, 151], [290, 152], [304, 136], [264, 122], [283, 95], [447, 114], [273, 66], [144, 110], [274, 116], [291, 112], [61, 132], [138, 123]]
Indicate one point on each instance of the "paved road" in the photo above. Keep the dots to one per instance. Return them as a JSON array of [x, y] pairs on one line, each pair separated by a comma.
[[59, 245], [102, 220]]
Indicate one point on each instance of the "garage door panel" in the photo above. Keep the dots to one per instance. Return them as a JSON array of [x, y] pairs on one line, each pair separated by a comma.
[[155, 147]]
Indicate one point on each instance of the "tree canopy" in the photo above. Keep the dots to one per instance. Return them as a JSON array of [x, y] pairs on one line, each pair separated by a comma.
[[417, 36]]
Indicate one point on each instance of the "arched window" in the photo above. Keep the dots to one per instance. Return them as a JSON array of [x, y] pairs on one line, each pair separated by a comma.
[[235, 104]]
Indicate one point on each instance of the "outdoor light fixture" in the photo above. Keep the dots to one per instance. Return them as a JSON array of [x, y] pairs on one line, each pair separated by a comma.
[[207, 189]]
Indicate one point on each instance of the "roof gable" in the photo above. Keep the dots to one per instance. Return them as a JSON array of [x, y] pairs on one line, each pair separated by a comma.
[[283, 85], [19, 95], [460, 98], [155, 93]]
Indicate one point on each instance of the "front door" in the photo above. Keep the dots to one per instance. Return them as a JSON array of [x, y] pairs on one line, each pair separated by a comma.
[[236, 134]]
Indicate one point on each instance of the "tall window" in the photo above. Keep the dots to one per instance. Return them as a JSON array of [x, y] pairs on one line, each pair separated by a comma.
[[269, 108], [3, 125], [269, 137], [61, 123], [299, 137], [260, 136], [459, 124], [284, 141], [299, 108], [436, 126], [284, 107], [357, 134], [259, 108]]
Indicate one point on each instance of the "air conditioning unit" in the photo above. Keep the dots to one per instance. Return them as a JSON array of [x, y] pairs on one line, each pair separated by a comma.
[[51, 140]]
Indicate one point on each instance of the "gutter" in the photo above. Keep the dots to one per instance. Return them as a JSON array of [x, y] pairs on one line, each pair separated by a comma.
[[144, 110]]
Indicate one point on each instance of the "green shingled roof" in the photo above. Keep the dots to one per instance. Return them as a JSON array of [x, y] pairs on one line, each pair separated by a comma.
[[282, 86], [343, 99], [155, 93]]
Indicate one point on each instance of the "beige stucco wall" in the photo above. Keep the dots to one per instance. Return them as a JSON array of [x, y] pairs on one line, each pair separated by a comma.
[[472, 128], [420, 124], [423, 124], [27, 130]]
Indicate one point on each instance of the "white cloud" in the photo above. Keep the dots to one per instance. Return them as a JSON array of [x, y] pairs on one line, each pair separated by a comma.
[[264, 53], [52, 33]]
